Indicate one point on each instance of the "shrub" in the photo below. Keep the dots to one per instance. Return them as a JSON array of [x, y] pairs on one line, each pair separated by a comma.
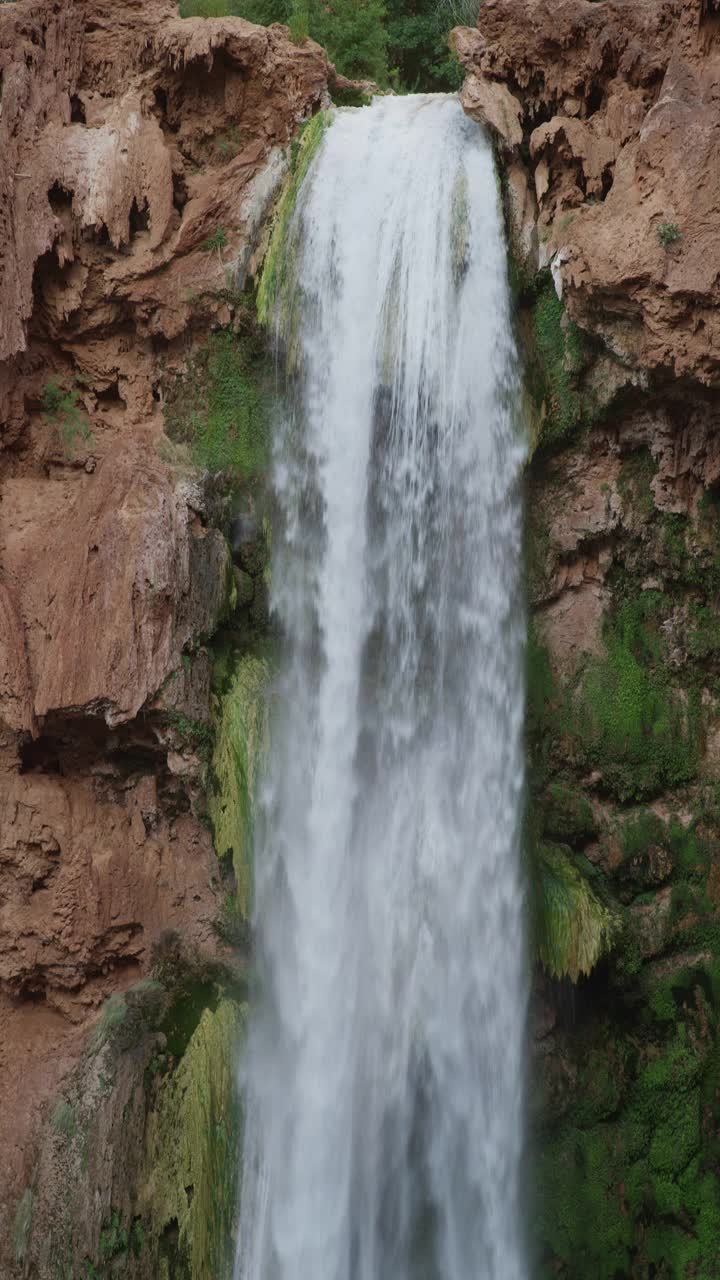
[[668, 233], [216, 242], [63, 412]]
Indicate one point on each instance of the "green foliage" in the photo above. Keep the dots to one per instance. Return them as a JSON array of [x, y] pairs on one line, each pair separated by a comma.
[[221, 407], [559, 358], [137, 1237], [417, 33], [195, 733], [574, 928], [114, 1239], [363, 37], [206, 8], [216, 242], [668, 233], [632, 725], [63, 412]]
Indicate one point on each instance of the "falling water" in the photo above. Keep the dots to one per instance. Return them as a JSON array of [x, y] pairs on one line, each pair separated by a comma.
[[385, 1065]]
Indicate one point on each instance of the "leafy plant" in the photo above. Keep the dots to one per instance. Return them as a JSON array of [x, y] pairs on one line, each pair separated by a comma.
[[668, 233], [63, 412], [114, 1239], [216, 242]]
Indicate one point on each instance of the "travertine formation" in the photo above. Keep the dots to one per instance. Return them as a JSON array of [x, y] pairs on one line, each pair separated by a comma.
[[139, 155], [620, 118]]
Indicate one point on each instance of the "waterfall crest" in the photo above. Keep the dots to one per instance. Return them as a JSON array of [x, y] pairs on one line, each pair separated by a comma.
[[384, 1069]]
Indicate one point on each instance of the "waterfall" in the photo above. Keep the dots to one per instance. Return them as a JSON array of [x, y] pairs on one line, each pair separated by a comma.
[[384, 1069]]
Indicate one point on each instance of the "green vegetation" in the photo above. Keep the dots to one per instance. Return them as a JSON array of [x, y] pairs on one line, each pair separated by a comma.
[[559, 357], [574, 928], [567, 815], [668, 233], [220, 407], [114, 1239], [634, 1188], [216, 242], [398, 42], [195, 733], [277, 269], [63, 1121], [125, 1018], [240, 743], [193, 1136], [641, 733], [63, 412]]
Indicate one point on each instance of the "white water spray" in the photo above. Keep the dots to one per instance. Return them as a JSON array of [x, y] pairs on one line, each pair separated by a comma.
[[385, 1061]]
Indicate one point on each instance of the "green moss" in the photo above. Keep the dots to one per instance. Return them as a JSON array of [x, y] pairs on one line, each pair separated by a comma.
[[240, 743], [574, 928], [193, 1138], [567, 815], [559, 358], [277, 268], [635, 728], [220, 407]]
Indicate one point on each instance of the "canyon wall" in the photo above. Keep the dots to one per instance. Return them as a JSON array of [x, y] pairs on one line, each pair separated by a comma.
[[140, 156], [607, 122]]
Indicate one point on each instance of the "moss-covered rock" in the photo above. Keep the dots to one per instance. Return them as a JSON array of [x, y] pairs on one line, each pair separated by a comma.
[[278, 264], [193, 1139], [241, 733], [567, 815]]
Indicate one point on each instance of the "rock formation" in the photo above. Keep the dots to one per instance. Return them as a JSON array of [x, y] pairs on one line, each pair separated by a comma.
[[606, 117], [140, 154]]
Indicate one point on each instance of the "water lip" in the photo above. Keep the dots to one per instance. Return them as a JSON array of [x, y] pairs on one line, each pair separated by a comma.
[[385, 1063]]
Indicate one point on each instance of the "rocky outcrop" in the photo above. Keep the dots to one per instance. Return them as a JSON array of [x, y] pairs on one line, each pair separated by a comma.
[[140, 156], [619, 113], [612, 203]]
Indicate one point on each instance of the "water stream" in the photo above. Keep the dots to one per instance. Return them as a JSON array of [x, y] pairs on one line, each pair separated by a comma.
[[385, 1063]]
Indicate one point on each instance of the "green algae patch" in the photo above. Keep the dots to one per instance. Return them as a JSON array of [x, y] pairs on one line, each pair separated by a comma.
[[278, 265], [192, 1142], [241, 735], [574, 927]]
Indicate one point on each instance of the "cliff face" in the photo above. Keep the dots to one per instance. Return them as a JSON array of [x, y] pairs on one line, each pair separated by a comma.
[[607, 122], [140, 153]]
